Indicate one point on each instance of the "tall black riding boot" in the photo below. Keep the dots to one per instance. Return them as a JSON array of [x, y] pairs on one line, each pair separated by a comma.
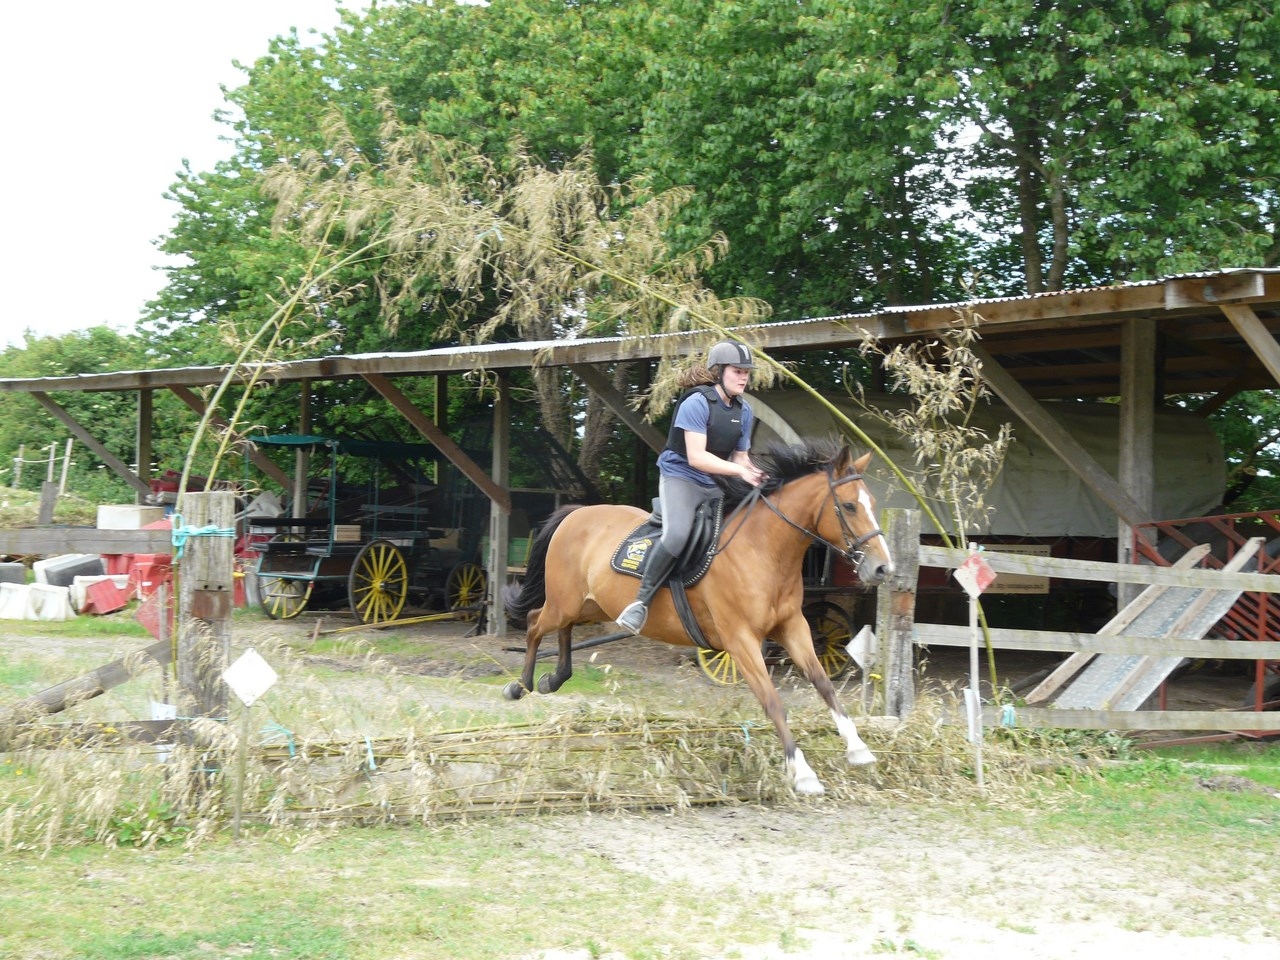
[[658, 567]]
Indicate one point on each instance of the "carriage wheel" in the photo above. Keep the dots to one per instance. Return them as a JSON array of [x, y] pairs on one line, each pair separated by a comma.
[[465, 589], [832, 630], [378, 584], [718, 667], [283, 599]]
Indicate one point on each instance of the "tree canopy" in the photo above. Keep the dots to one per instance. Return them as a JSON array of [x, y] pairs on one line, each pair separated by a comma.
[[836, 156]]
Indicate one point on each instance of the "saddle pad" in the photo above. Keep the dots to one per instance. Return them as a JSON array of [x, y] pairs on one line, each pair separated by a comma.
[[630, 556]]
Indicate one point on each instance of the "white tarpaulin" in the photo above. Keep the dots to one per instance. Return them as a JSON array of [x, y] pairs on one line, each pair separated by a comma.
[[1035, 494]]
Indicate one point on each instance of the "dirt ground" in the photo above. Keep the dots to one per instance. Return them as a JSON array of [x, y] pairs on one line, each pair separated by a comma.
[[1199, 686], [915, 881], [870, 882], [843, 882]]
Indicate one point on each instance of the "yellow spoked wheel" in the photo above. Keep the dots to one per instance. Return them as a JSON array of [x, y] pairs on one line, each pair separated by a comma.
[[378, 584], [465, 590], [832, 630], [718, 667], [283, 599]]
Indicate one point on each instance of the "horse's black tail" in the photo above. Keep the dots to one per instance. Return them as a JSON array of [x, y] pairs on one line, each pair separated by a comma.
[[534, 590]]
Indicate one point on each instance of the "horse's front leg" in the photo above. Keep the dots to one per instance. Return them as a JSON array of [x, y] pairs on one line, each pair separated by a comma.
[[747, 655], [797, 639]]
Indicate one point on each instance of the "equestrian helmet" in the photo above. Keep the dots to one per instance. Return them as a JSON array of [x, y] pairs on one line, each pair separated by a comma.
[[730, 352]]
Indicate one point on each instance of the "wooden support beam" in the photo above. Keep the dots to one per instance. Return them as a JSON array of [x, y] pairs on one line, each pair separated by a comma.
[[1059, 440], [118, 466], [1255, 335], [1136, 446], [142, 447], [499, 525], [260, 459], [455, 454], [599, 384]]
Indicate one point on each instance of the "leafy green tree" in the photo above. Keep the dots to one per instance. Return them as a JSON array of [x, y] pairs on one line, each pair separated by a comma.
[[1119, 140], [111, 416], [850, 155]]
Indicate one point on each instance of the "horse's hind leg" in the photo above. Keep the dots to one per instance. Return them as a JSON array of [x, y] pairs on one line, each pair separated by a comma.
[[551, 682], [532, 639]]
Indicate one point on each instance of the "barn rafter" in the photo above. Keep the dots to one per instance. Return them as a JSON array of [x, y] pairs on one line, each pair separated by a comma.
[[1210, 334]]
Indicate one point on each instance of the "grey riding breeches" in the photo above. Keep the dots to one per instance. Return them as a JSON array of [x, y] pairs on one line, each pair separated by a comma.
[[680, 500]]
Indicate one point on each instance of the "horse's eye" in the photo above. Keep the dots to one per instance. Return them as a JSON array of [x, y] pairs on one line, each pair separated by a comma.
[[850, 506]]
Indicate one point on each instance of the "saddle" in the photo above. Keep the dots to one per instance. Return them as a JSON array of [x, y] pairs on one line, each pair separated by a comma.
[[632, 554]]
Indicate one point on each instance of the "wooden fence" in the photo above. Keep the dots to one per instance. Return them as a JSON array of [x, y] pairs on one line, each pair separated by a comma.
[[899, 633]]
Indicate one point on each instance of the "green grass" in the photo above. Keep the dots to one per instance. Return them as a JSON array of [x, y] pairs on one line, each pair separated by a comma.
[[119, 624], [458, 891], [21, 508], [1131, 801], [19, 675], [1258, 760]]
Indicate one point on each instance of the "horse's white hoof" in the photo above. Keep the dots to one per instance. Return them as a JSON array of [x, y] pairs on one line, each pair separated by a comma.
[[809, 787], [803, 780], [860, 757]]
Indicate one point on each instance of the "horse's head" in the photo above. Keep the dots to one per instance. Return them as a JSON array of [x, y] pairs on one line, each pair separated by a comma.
[[853, 522]]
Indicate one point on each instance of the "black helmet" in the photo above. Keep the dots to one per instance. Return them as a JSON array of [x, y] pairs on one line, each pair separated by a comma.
[[730, 352]]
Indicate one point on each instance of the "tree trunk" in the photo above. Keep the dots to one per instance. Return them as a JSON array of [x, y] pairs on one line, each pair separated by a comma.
[[1028, 209]]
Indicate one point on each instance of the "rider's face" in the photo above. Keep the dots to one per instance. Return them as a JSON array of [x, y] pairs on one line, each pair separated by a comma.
[[735, 379]]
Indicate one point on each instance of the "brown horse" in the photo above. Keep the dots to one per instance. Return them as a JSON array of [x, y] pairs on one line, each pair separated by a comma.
[[815, 492]]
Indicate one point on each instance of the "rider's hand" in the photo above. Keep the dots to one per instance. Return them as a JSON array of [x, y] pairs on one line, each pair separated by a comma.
[[753, 475]]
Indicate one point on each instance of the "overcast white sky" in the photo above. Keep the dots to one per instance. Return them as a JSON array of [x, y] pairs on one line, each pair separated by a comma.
[[102, 102]]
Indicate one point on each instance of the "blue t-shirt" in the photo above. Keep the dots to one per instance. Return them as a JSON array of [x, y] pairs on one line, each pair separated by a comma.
[[692, 416]]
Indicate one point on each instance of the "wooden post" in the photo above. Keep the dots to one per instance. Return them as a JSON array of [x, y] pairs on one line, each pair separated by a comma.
[[205, 602], [499, 520], [1136, 472], [66, 466], [896, 612], [143, 449], [48, 501], [301, 457], [440, 414]]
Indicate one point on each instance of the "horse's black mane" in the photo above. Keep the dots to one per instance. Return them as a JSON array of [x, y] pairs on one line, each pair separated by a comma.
[[783, 463]]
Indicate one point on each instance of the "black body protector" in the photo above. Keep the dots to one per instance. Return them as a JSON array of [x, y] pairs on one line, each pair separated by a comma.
[[724, 426]]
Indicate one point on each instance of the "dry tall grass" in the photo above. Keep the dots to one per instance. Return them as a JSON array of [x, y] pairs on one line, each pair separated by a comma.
[[362, 748]]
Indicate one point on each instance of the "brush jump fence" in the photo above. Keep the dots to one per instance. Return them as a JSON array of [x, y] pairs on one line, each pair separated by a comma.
[[900, 633]]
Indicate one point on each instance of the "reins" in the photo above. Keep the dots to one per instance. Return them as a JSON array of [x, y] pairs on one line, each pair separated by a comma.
[[853, 543]]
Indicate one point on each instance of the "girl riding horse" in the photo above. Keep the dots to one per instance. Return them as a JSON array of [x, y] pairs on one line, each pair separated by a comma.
[[814, 492]]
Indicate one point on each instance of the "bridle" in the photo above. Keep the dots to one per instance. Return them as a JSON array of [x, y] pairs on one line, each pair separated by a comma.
[[853, 543]]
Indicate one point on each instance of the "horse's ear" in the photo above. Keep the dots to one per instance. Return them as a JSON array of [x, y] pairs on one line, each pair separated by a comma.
[[860, 465]]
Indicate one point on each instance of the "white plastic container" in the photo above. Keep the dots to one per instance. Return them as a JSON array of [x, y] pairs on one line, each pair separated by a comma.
[[127, 516]]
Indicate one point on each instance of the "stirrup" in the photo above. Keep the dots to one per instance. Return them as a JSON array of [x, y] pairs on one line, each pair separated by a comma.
[[633, 617]]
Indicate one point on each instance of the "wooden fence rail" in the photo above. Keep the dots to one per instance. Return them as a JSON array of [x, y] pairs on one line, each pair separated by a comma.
[[900, 633]]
